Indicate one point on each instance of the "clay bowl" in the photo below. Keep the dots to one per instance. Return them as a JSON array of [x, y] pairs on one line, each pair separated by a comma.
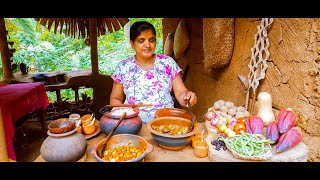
[[62, 125], [123, 139], [173, 112], [166, 140]]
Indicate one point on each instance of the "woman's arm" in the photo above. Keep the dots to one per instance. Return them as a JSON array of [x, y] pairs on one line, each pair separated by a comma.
[[117, 95], [181, 92]]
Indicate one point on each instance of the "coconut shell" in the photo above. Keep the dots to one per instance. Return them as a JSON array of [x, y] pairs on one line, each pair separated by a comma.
[[168, 45], [181, 39], [218, 42]]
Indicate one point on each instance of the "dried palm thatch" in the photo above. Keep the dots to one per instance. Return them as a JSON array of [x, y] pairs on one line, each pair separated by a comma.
[[181, 39], [218, 42], [80, 26], [168, 45]]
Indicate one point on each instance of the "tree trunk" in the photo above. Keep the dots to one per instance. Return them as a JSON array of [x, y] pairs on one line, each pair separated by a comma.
[[4, 49]]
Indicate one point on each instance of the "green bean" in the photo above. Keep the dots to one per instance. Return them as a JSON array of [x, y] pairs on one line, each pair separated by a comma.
[[248, 144], [248, 140], [251, 151], [256, 146], [235, 146], [246, 135], [257, 152]]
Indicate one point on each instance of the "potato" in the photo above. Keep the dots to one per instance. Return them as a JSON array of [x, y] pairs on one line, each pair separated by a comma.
[[232, 111], [221, 102], [240, 109], [229, 104], [224, 109], [224, 114]]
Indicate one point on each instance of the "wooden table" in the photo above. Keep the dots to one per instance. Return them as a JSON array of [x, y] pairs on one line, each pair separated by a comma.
[[157, 155], [17, 100]]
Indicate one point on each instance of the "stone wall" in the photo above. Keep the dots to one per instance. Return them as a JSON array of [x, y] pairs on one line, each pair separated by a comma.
[[292, 78]]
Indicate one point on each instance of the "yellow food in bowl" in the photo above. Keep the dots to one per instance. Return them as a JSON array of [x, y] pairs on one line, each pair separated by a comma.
[[172, 129], [122, 153]]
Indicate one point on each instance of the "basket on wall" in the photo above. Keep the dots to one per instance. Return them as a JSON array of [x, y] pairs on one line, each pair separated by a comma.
[[168, 45], [218, 42], [181, 39]]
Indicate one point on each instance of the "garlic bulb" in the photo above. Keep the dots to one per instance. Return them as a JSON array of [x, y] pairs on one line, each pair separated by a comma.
[[265, 108]]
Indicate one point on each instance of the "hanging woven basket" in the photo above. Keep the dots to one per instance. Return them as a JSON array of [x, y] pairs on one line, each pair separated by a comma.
[[218, 42], [181, 39], [168, 45]]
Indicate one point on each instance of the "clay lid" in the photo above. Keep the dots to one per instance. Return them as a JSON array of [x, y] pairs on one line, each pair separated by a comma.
[[173, 112], [62, 125]]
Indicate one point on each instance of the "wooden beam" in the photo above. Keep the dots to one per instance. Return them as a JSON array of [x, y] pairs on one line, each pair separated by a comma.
[[4, 49], [3, 146], [93, 45]]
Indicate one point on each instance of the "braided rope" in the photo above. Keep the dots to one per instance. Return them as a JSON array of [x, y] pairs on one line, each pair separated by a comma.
[[259, 55]]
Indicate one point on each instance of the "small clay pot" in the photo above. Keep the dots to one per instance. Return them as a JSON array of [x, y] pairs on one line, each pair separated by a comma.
[[200, 149], [64, 147], [130, 125]]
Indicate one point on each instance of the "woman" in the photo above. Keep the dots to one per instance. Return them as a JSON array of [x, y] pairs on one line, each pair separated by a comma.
[[148, 78]]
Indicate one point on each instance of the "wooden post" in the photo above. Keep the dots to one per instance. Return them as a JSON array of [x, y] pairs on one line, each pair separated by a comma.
[[76, 95], [94, 62], [59, 101], [4, 49], [3, 146], [42, 118], [93, 45]]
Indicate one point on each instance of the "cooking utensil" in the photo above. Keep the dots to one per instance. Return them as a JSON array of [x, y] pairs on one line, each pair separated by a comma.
[[104, 145], [107, 108], [192, 116]]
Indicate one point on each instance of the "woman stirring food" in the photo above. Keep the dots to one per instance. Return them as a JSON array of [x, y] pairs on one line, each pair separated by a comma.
[[148, 78]]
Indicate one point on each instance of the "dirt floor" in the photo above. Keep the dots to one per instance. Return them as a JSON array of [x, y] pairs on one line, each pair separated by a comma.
[[28, 139]]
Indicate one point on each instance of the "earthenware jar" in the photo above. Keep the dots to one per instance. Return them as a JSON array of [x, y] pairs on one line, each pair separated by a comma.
[[132, 123], [65, 147]]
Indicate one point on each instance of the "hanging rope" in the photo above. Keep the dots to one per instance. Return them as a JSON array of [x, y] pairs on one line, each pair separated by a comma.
[[259, 56]]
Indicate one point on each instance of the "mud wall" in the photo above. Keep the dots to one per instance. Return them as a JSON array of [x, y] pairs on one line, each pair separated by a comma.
[[292, 78]]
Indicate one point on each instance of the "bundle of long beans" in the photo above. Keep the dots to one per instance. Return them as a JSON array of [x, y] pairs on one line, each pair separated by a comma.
[[249, 146]]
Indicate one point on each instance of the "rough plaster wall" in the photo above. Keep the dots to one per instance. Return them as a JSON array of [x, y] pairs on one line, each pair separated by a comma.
[[293, 76], [193, 55]]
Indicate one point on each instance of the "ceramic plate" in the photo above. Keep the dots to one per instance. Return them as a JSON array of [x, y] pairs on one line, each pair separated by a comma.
[[88, 136]]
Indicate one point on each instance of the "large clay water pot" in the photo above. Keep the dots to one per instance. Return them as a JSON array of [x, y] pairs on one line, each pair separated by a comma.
[[64, 147], [132, 123]]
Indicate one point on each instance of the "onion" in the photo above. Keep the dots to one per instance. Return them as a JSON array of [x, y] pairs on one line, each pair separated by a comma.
[[210, 115], [214, 122]]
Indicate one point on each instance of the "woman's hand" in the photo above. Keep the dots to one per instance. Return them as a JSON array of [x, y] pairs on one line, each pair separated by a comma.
[[192, 96]]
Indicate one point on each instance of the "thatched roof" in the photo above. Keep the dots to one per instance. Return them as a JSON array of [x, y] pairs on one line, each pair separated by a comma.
[[80, 26]]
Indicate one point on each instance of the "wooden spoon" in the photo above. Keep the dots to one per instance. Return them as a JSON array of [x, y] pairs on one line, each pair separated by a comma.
[[192, 118], [104, 145]]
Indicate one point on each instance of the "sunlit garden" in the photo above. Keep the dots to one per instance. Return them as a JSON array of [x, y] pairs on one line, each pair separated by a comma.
[[45, 51]]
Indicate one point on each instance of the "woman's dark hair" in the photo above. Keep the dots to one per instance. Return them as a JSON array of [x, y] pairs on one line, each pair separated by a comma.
[[138, 27]]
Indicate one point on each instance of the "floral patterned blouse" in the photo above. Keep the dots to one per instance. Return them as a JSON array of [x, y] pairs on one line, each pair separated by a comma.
[[147, 87]]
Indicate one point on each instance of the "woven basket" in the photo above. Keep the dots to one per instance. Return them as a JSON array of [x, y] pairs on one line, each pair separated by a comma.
[[181, 39], [265, 156], [218, 42], [168, 45]]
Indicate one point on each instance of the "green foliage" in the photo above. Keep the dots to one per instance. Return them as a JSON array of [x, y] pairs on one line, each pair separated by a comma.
[[44, 51]]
